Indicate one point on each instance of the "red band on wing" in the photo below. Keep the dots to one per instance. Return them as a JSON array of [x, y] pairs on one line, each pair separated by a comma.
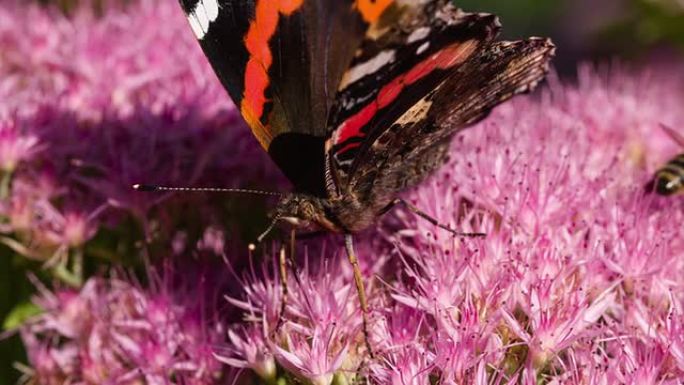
[[352, 126], [349, 146], [261, 30], [441, 60]]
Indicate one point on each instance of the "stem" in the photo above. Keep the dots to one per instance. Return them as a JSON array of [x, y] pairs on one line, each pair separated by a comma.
[[63, 274], [73, 277], [77, 265], [5, 184]]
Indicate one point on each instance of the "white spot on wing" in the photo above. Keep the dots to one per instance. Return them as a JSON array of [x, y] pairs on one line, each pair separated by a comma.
[[212, 8], [418, 34], [205, 12], [373, 65], [195, 25], [348, 104], [423, 47], [202, 17]]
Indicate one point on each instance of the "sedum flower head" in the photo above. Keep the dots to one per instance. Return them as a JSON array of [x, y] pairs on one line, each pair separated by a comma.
[[16, 146], [577, 281], [112, 331]]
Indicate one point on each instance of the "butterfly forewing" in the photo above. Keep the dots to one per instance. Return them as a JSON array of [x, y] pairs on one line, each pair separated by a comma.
[[281, 65]]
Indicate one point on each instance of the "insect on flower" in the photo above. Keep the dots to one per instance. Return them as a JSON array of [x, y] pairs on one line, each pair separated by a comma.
[[358, 100], [669, 179]]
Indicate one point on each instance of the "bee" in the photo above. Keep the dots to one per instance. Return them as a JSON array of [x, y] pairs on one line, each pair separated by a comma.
[[669, 179]]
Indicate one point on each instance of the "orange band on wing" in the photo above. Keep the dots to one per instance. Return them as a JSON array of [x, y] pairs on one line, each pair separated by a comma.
[[371, 10], [261, 30]]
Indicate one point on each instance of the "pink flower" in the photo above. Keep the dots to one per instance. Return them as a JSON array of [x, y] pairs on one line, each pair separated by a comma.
[[315, 356], [212, 240], [70, 229], [112, 331], [552, 328], [262, 298], [403, 367], [638, 363], [248, 349], [15, 146], [673, 336], [398, 339], [84, 116], [312, 338]]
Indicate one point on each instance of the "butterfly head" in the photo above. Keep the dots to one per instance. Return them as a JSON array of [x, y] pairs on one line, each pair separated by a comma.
[[305, 211]]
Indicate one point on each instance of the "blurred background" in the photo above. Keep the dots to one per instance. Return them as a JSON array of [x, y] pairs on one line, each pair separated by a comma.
[[640, 32], [584, 30]]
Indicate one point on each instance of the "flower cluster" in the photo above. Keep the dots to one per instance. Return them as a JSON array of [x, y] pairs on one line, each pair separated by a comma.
[[310, 331], [578, 280], [112, 331], [94, 104]]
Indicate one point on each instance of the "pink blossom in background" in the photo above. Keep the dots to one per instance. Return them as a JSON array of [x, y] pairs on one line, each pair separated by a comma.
[[15, 146], [91, 104], [113, 331]]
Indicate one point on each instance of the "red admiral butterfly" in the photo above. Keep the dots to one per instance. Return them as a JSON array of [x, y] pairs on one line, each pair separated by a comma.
[[357, 100]]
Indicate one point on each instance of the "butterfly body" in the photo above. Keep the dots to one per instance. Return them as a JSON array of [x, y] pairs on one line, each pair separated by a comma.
[[340, 215]]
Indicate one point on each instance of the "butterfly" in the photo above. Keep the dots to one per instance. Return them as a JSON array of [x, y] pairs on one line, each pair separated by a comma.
[[357, 100]]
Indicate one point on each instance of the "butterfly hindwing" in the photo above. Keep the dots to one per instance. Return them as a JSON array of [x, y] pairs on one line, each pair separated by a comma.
[[416, 143], [392, 72]]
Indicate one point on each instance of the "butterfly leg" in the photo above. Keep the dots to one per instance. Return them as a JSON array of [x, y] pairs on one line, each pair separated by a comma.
[[358, 279], [293, 260], [282, 267], [427, 217], [282, 271]]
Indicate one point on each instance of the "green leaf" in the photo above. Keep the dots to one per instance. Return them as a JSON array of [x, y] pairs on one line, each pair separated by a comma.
[[19, 314]]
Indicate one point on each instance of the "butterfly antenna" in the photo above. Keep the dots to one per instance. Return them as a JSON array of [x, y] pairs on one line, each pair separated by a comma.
[[268, 230], [155, 188]]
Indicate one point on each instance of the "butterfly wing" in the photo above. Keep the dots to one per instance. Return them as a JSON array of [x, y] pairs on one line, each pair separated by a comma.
[[392, 72], [281, 61], [417, 142], [445, 74]]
